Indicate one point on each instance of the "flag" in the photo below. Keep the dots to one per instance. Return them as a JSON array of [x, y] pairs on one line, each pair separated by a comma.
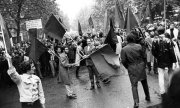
[[54, 28], [119, 18], [6, 33], [91, 24], [148, 12], [106, 62], [130, 21], [36, 49], [32, 33], [79, 29], [111, 38]]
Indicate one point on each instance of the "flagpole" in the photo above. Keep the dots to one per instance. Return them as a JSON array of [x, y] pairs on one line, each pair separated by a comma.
[[165, 13], [5, 47]]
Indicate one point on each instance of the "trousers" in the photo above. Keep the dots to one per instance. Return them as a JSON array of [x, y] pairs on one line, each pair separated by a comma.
[[135, 90], [93, 72], [35, 104]]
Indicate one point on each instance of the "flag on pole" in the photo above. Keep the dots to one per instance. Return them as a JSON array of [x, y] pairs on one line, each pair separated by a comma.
[[148, 12], [130, 21], [4, 32], [111, 38], [54, 28], [36, 49], [91, 24], [79, 29], [106, 62], [119, 18]]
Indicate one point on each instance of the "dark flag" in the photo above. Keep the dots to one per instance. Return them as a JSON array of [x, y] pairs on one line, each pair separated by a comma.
[[79, 29], [54, 28], [111, 38], [6, 33], [91, 24], [148, 12], [106, 62], [36, 49], [119, 18], [32, 33], [130, 21]]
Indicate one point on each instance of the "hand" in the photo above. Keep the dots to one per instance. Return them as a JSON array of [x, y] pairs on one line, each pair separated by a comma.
[[7, 56]]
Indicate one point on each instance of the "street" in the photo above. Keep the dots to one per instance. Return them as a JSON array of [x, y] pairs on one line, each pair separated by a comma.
[[115, 95]]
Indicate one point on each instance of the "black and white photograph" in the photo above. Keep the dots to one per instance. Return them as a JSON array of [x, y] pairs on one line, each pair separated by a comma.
[[89, 53]]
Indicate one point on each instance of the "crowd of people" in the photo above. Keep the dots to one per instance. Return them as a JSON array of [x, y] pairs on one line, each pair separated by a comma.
[[153, 47]]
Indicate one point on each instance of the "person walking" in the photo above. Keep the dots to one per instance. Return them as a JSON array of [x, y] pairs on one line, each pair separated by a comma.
[[133, 58]]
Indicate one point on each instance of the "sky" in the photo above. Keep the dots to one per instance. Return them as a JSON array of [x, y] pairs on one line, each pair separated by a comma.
[[72, 7]]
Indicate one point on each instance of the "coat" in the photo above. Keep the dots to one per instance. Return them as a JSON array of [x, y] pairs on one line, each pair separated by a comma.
[[87, 52], [64, 69], [133, 58], [163, 51]]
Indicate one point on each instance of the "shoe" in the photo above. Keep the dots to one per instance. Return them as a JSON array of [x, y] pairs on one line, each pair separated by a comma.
[[98, 85], [107, 81], [77, 76], [92, 87], [136, 105], [148, 99]]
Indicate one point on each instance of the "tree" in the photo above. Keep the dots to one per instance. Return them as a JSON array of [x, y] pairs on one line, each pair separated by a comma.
[[83, 17], [16, 12]]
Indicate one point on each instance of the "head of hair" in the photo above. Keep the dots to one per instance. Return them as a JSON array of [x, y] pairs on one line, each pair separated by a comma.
[[25, 66], [161, 30], [101, 34], [79, 42], [130, 38]]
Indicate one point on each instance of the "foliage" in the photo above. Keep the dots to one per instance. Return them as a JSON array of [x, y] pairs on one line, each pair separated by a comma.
[[16, 12]]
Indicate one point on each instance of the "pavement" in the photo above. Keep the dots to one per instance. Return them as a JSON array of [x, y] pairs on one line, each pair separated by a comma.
[[117, 94]]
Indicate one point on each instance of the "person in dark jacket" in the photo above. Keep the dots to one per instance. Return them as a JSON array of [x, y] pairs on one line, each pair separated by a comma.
[[133, 58], [162, 50]]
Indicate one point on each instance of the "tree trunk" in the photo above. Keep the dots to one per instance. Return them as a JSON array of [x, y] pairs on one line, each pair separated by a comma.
[[18, 20]]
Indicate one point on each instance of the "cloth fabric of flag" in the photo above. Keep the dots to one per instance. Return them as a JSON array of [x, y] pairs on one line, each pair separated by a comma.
[[54, 28], [79, 29], [130, 21], [111, 38], [119, 18], [91, 24], [106, 62], [36, 49]]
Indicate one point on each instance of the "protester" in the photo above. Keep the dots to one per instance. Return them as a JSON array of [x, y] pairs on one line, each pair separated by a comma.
[[64, 72], [29, 85], [133, 58], [91, 68], [162, 50], [79, 56]]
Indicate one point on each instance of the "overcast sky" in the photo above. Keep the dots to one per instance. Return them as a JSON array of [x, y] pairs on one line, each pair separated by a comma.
[[72, 7]]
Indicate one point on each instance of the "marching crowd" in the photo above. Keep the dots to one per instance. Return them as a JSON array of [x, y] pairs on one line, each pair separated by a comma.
[[154, 47]]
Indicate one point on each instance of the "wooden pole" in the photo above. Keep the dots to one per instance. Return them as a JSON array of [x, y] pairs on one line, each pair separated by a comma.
[[165, 14], [6, 52]]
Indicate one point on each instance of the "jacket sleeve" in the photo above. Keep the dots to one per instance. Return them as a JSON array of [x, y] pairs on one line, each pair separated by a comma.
[[64, 61], [14, 75], [41, 93], [154, 48], [124, 59]]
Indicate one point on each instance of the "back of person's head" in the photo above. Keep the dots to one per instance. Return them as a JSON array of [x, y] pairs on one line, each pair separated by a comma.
[[25, 66], [161, 30], [172, 98], [130, 38]]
